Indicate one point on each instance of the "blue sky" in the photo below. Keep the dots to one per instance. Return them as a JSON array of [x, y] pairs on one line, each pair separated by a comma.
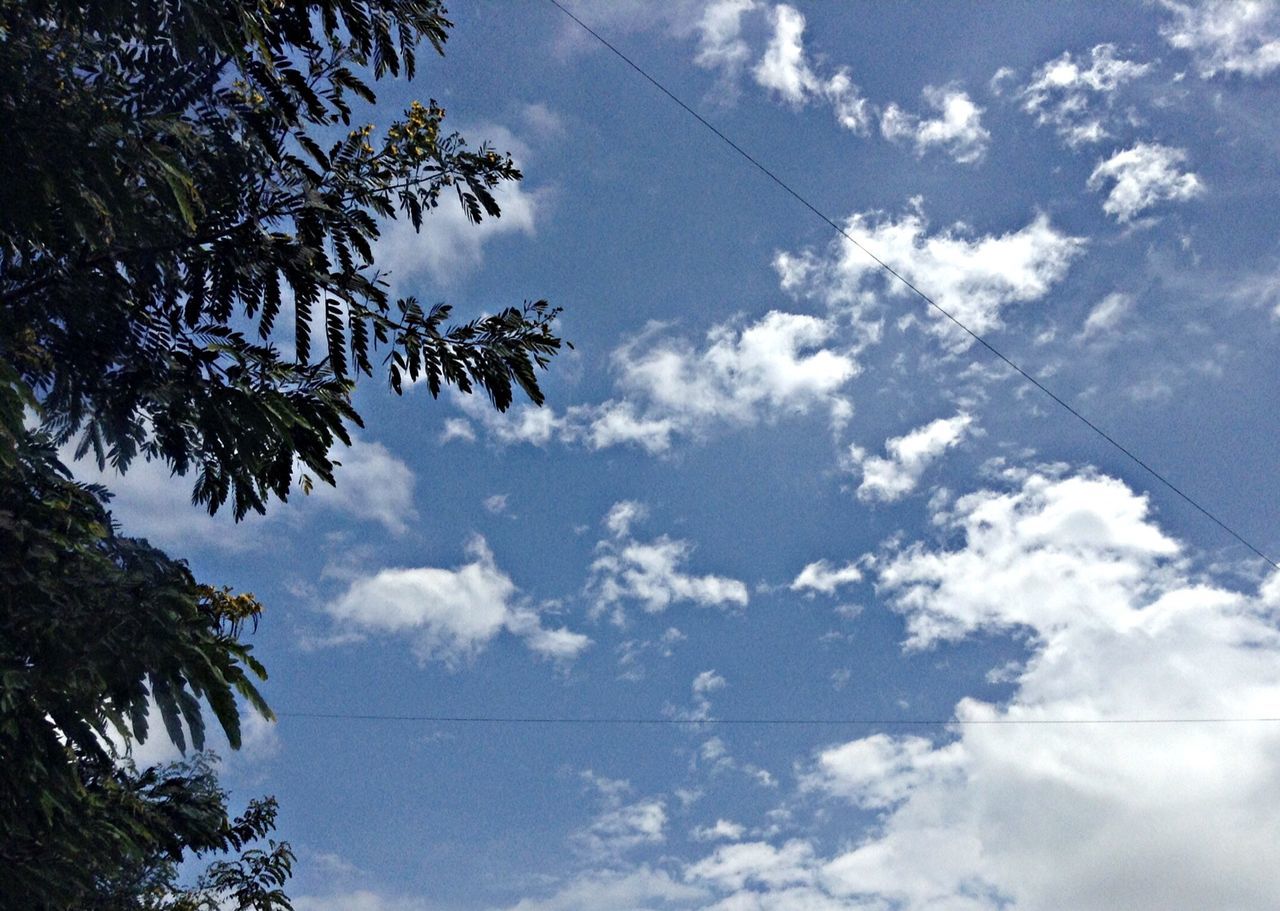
[[769, 484]]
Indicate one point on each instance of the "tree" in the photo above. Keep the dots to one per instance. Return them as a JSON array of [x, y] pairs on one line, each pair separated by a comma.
[[188, 273], [174, 181], [94, 627]]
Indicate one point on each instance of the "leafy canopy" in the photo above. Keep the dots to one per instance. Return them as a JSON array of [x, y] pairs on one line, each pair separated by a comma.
[[94, 628], [188, 231], [188, 241]]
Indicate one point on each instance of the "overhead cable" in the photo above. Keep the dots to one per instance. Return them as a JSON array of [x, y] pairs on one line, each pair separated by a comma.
[[637, 721]]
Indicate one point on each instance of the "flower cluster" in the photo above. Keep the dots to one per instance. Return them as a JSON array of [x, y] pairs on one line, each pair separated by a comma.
[[418, 133]]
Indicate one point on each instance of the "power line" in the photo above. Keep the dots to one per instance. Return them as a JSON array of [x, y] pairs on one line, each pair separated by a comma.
[[763, 722], [925, 297]]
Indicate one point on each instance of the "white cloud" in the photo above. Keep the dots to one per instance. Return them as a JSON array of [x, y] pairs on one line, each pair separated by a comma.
[[650, 573], [1041, 817], [742, 376], [449, 247], [1088, 531], [495, 504], [151, 502], [891, 478], [958, 129], [541, 120], [822, 576], [1107, 314], [1065, 94], [259, 740], [372, 484], [620, 829], [714, 756], [973, 278], [720, 44], [457, 429], [610, 790], [1259, 289], [620, 423], [785, 70], [771, 367], [533, 424], [1089, 817], [1227, 36], [881, 770], [622, 514], [639, 888], [736, 867], [703, 686], [1144, 176], [632, 651], [450, 614], [706, 683], [723, 830], [359, 900], [1000, 78]]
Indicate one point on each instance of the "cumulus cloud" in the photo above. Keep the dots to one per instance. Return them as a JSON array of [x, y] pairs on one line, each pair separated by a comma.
[[495, 504], [372, 484], [957, 130], [259, 740], [824, 577], [775, 366], [1226, 36], [707, 683], [150, 502], [1041, 817], [736, 867], [743, 375], [638, 887], [1107, 314], [1142, 177], [895, 475], [359, 900], [450, 614], [650, 572], [532, 424], [973, 278], [1089, 529], [784, 68], [703, 686], [619, 826], [785, 71], [449, 247], [722, 830], [713, 755], [1074, 98], [881, 770], [720, 43], [1174, 817], [457, 429], [620, 829]]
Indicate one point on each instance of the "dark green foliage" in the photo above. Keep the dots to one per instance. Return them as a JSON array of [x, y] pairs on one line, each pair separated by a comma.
[[188, 227], [179, 176], [93, 626], [179, 812]]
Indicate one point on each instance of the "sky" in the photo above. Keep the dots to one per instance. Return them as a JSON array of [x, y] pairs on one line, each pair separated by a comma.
[[771, 484]]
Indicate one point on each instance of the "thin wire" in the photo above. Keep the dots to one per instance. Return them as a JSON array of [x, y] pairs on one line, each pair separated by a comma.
[[926, 298], [877, 722]]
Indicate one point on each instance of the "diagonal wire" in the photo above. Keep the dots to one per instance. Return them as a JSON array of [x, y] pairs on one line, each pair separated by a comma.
[[636, 721], [925, 297]]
